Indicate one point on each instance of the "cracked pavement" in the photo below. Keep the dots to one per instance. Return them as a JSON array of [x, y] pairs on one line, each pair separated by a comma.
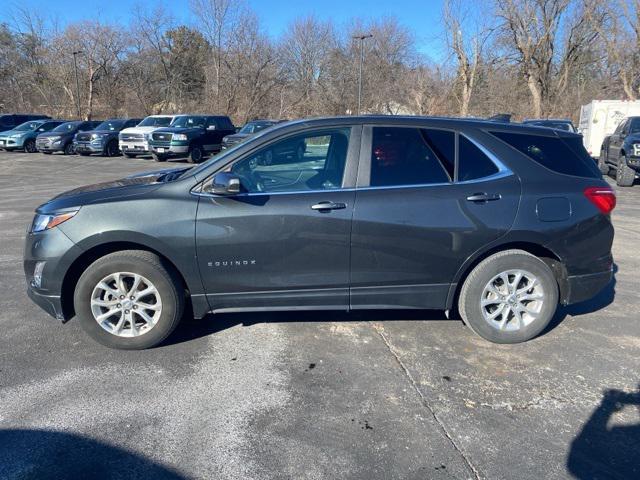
[[314, 395]]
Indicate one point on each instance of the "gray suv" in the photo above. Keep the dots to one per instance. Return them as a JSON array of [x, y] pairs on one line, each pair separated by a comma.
[[500, 221]]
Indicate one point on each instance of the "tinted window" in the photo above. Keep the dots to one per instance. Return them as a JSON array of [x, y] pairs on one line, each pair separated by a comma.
[[111, 125], [313, 161], [155, 122], [401, 156], [473, 163], [620, 127], [188, 122], [634, 126], [566, 156], [443, 144], [6, 121], [66, 127]]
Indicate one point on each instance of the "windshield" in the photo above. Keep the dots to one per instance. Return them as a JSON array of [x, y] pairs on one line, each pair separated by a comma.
[[66, 127], [635, 126], [252, 127], [27, 126], [111, 125], [188, 122], [155, 122]]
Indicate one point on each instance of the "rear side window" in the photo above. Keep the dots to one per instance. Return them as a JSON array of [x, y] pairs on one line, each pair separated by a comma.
[[472, 162], [443, 144], [566, 156], [401, 156]]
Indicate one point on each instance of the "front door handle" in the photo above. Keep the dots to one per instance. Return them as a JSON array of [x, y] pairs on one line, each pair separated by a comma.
[[483, 197], [326, 206]]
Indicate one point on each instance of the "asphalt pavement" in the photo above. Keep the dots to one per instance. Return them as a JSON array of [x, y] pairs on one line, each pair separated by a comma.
[[312, 395]]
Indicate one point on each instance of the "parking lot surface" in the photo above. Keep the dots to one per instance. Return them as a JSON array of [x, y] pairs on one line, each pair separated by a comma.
[[368, 395]]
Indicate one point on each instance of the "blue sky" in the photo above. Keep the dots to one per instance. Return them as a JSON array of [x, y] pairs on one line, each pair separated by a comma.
[[421, 16]]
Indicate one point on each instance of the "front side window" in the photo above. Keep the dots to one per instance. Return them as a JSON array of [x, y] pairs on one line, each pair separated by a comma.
[[620, 127], [311, 161], [634, 125], [401, 156]]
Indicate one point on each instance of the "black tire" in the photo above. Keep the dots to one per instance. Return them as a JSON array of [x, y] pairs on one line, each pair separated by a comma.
[[474, 285], [602, 163], [30, 146], [195, 154], [112, 150], [69, 149], [130, 155], [625, 175], [142, 263], [159, 158]]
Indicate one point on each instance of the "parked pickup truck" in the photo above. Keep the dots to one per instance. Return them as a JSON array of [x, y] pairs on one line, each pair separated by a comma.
[[104, 139], [190, 136], [621, 150], [134, 141]]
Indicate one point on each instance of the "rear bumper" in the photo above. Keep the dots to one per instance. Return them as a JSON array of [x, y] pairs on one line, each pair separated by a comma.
[[49, 303], [584, 287]]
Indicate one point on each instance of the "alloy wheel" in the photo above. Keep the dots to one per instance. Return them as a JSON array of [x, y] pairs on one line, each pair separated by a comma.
[[126, 304], [512, 300]]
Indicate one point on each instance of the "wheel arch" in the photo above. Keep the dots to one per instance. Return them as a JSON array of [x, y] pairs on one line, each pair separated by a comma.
[[89, 256], [543, 253]]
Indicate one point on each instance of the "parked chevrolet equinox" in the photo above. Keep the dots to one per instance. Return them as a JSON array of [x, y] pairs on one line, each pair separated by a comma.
[[501, 222]]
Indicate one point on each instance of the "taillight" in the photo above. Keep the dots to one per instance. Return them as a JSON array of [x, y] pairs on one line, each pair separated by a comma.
[[602, 197]]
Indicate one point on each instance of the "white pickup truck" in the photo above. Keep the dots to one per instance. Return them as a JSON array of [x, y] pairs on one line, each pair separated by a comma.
[[135, 140], [600, 118]]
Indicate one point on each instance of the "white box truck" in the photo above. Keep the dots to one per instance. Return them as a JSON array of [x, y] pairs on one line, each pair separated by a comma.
[[600, 118]]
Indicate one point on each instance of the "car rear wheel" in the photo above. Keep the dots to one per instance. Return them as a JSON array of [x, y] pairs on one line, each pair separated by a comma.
[[159, 158], [30, 146], [129, 300], [625, 175], [510, 297]]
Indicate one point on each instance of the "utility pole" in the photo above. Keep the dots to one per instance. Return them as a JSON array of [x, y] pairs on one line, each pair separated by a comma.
[[75, 66], [362, 39]]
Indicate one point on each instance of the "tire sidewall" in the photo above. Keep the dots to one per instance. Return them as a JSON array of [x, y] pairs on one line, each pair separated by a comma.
[[488, 270], [68, 149], [171, 304], [32, 144]]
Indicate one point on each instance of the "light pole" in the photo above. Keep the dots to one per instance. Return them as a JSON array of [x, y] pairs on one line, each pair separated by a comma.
[[75, 66], [362, 39]]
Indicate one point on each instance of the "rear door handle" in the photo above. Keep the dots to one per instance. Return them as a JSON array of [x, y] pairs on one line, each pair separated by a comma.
[[325, 206], [484, 197]]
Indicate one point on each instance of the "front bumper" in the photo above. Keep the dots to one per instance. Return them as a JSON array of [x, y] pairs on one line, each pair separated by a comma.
[[88, 147], [169, 150], [50, 147], [133, 147], [9, 143], [52, 304], [634, 162]]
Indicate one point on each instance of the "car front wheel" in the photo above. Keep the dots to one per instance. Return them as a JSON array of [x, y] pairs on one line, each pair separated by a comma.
[[30, 146], [129, 300], [510, 297], [625, 175]]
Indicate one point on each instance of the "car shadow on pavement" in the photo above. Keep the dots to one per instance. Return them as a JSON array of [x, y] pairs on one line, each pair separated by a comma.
[[604, 298], [606, 448], [48, 454], [192, 329]]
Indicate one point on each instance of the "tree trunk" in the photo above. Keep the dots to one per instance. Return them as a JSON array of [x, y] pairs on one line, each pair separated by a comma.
[[536, 96]]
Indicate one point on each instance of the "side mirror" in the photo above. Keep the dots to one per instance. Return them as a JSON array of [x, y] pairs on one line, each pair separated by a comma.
[[225, 184]]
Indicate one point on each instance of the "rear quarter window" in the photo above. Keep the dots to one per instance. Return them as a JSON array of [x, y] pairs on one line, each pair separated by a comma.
[[561, 155]]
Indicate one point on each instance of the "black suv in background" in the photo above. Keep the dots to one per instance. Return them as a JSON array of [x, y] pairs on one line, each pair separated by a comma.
[[60, 139], [248, 130], [104, 138], [501, 221], [8, 121], [621, 151], [190, 136]]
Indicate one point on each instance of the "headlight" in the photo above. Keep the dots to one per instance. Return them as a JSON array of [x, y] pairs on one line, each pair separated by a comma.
[[636, 149], [98, 136], [43, 222], [53, 139], [181, 137]]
